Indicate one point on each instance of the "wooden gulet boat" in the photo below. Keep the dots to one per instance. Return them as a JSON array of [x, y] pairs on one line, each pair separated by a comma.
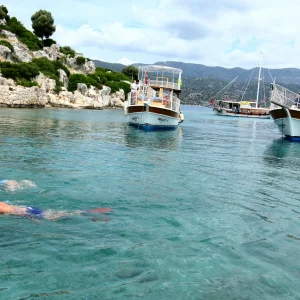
[[248, 109], [156, 104]]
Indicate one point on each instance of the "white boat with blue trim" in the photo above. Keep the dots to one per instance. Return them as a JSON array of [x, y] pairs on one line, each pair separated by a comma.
[[285, 111]]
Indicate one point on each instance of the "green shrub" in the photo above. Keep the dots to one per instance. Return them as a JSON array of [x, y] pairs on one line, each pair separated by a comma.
[[45, 66], [20, 71], [7, 44], [27, 83], [89, 80], [12, 73], [108, 75], [57, 89], [59, 65], [3, 12], [49, 42], [131, 72], [28, 70], [115, 76], [80, 60], [24, 35], [101, 75], [74, 79], [68, 51], [3, 27], [50, 68], [116, 86]]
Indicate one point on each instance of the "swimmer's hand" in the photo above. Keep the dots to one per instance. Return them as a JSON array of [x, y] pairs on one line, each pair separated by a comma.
[[102, 210]]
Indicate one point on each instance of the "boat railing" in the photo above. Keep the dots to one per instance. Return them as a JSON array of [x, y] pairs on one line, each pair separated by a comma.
[[164, 84], [166, 101], [282, 96]]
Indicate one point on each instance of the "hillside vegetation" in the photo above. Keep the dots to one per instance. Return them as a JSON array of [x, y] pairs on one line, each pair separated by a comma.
[[24, 73]]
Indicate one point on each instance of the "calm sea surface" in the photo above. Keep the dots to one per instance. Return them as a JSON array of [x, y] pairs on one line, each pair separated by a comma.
[[208, 211]]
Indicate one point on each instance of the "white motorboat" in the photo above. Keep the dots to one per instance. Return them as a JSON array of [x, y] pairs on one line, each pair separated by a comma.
[[156, 104]]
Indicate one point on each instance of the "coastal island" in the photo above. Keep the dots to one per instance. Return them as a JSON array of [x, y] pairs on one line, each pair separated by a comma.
[[37, 72]]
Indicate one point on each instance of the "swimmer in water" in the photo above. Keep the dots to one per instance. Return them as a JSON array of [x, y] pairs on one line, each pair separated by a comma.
[[13, 185], [33, 212]]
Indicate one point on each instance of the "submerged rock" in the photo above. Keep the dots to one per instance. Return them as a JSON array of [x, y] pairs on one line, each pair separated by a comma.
[[128, 273], [148, 278]]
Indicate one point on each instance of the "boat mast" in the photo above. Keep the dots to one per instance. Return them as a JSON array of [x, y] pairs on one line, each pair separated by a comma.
[[259, 79]]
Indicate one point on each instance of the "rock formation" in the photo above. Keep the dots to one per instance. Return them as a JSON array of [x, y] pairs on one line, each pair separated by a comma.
[[43, 95], [5, 52], [51, 53], [12, 95], [88, 67]]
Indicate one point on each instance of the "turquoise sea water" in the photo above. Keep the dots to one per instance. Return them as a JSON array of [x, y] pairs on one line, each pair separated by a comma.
[[208, 211]]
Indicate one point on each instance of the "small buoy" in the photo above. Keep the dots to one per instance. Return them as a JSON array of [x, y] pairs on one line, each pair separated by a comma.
[[181, 117]]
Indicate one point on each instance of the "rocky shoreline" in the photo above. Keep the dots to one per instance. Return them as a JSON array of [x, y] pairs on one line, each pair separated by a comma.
[[16, 96]]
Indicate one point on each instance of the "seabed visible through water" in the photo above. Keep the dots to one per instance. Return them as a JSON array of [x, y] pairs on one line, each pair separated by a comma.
[[207, 211]]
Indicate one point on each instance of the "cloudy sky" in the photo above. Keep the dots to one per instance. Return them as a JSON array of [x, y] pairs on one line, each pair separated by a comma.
[[226, 33]]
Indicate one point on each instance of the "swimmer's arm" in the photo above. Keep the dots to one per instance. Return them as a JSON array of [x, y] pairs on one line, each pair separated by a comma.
[[6, 208], [10, 209]]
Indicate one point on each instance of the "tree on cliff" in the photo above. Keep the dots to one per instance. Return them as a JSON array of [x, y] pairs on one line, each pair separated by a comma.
[[131, 71], [43, 24], [4, 13]]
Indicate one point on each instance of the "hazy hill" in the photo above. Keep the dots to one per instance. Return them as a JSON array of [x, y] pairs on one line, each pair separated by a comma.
[[106, 65], [201, 83]]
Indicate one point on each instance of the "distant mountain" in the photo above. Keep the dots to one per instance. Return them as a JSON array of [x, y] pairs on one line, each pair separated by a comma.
[[201, 83], [106, 65], [287, 75]]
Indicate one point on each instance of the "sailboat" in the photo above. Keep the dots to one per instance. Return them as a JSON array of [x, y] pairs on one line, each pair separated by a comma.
[[248, 109]]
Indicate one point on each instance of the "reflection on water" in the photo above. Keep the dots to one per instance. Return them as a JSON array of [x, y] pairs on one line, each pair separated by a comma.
[[282, 152], [168, 140]]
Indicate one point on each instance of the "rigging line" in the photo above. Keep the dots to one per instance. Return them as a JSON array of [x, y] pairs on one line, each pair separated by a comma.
[[271, 75], [248, 84], [263, 84], [231, 82], [241, 72]]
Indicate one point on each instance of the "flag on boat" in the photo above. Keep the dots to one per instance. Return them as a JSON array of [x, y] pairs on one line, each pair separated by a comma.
[[146, 79]]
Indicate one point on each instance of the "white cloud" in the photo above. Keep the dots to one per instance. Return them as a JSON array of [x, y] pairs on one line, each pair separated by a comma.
[[125, 61], [228, 33]]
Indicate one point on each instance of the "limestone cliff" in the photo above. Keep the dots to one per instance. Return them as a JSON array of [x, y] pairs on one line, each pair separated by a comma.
[[12, 95], [43, 95]]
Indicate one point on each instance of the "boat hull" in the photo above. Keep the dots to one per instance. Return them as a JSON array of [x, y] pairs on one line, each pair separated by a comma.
[[288, 122], [224, 112], [149, 117]]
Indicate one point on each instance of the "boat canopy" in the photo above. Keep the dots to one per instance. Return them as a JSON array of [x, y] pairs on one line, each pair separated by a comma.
[[157, 68], [159, 77]]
